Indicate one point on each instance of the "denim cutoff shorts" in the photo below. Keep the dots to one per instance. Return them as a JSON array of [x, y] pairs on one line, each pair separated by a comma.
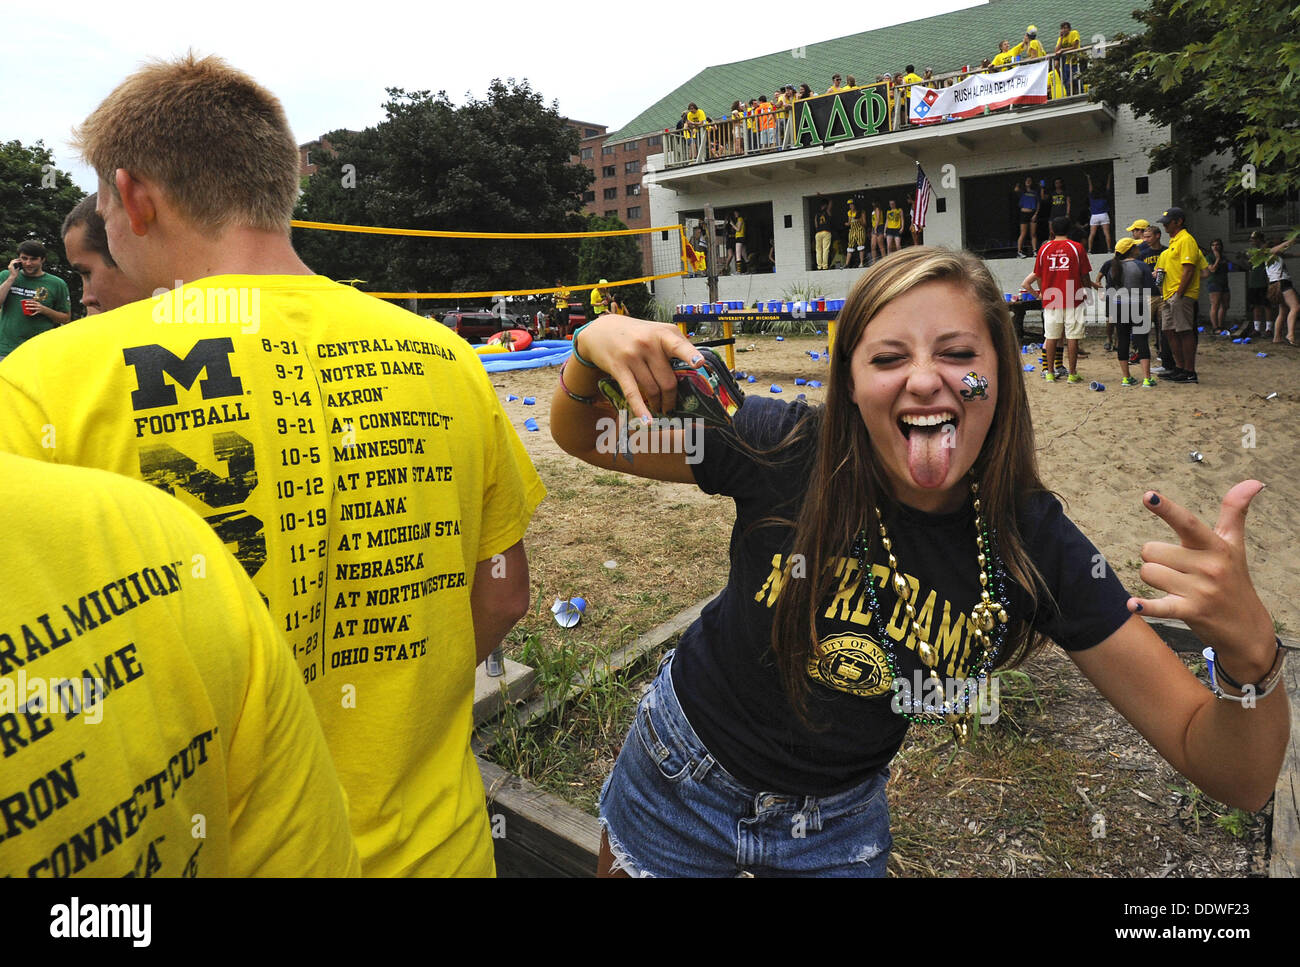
[[669, 809]]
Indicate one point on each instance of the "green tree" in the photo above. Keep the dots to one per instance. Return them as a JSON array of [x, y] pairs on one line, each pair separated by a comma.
[[615, 257], [1225, 74], [501, 164], [35, 197]]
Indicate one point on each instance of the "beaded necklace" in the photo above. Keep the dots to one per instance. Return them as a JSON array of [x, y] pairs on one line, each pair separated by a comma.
[[988, 615]]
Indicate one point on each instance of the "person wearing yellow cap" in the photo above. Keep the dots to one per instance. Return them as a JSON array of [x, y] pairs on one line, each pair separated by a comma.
[[599, 300], [1137, 230], [1129, 286]]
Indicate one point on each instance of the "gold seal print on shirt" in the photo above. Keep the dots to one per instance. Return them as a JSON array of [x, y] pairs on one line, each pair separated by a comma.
[[850, 659], [851, 663]]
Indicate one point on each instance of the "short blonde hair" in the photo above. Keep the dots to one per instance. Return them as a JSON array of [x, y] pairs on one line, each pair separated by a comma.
[[216, 141]]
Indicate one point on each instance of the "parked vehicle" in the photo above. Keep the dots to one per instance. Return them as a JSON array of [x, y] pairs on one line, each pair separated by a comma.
[[478, 326]]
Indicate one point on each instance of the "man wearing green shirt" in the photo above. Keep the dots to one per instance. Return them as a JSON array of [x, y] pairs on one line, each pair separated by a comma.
[[33, 300]]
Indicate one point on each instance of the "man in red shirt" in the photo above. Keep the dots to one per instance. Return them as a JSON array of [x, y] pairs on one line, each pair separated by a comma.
[[1062, 268]]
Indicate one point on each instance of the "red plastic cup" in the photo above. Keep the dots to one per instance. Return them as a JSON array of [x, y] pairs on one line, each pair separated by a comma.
[[28, 305]]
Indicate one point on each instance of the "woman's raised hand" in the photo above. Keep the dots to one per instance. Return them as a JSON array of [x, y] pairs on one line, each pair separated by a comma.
[[638, 355]]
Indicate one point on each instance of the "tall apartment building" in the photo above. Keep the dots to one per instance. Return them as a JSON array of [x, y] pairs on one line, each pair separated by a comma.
[[618, 166]]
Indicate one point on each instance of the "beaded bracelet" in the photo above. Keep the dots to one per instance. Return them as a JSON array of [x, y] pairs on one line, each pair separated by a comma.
[[577, 355], [586, 400]]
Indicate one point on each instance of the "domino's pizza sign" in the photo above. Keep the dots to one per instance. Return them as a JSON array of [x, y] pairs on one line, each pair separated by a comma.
[[922, 108]]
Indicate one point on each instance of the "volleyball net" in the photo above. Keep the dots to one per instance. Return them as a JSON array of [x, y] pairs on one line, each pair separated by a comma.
[[663, 248]]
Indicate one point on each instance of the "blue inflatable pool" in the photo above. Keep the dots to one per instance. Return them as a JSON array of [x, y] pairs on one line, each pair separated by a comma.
[[542, 353]]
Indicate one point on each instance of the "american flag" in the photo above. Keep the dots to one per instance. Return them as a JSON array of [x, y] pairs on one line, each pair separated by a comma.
[[922, 203]]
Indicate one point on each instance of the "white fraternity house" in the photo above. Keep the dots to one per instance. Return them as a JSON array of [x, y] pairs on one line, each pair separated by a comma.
[[977, 134]]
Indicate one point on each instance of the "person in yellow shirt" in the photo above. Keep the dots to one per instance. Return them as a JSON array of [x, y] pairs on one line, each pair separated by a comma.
[[737, 116], [1029, 47], [694, 131], [1005, 54], [153, 721], [695, 119], [353, 456], [857, 224], [1180, 287], [1067, 54], [737, 226], [560, 314], [599, 299], [878, 250], [783, 104], [909, 77], [836, 85], [893, 226]]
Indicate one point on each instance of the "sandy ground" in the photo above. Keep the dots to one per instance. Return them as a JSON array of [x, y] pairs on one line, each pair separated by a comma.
[[1099, 450]]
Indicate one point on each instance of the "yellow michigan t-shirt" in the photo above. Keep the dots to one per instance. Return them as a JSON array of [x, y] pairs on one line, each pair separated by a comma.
[[152, 722], [355, 459], [1182, 250]]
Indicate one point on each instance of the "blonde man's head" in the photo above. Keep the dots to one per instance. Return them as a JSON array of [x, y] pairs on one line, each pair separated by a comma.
[[214, 140]]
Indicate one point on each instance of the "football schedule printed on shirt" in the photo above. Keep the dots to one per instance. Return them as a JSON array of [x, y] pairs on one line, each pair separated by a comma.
[[335, 531]]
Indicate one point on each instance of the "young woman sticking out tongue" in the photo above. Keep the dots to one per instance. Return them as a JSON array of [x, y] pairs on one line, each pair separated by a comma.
[[891, 549]]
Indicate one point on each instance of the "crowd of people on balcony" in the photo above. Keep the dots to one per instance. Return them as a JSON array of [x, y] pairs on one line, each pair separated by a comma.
[[762, 122]]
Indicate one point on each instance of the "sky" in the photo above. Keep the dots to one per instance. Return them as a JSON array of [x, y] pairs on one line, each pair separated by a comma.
[[330, 62]]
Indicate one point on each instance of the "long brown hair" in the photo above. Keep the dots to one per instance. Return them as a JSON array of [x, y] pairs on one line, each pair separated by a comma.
[[847, 482]]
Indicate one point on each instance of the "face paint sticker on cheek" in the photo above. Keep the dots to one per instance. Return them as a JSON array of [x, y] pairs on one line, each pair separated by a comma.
[[977, 387]]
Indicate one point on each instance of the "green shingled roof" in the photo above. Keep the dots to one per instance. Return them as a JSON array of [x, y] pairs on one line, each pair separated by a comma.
[[946, 42]]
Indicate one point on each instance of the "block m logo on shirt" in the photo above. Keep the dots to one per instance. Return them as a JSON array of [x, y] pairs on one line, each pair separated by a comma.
[[153, 362]]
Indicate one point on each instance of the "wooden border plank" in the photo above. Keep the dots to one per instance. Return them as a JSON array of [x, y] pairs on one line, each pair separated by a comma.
[[542, 834], [1284, 848]]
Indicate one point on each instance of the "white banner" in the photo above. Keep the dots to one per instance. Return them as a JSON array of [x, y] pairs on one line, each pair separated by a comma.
[[979, 92]]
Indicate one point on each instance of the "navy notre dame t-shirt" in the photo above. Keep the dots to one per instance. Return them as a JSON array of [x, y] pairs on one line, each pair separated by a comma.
[[725, 674]]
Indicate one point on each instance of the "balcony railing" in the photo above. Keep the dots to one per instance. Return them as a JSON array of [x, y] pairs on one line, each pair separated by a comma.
[[754, 133], [859, 112]]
